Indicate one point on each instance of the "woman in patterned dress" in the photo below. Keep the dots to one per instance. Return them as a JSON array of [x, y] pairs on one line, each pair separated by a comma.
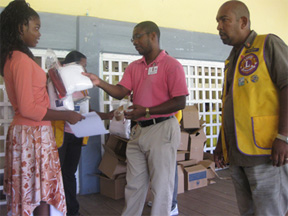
[[32, 177]]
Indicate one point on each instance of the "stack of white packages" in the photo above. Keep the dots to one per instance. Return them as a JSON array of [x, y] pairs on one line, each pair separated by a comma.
[[63, 82]]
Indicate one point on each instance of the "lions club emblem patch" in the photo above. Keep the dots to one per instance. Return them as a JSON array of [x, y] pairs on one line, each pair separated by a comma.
[[248, 64]]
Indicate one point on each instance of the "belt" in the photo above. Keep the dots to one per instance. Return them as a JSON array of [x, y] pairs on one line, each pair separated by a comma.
[[149, 122]]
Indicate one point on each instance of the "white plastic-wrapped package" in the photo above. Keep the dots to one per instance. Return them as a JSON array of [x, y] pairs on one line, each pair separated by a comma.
[[119, 125], [124, 102], [120, 128], [65, 103], [82, 105], [73, 79]]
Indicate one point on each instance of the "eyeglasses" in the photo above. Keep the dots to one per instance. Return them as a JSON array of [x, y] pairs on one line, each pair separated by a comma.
[[138, 36]]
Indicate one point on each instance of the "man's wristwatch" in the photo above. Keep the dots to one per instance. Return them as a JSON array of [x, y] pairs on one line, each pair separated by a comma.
[[147, 113], [281, 137]]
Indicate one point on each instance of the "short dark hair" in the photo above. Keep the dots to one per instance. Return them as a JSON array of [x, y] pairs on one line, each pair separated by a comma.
[[149, 26], [73, 56], [17, 13]]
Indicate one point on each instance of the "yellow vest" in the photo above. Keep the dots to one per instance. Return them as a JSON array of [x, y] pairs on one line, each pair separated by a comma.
[[178, 115], [58, 129], [255, 102]]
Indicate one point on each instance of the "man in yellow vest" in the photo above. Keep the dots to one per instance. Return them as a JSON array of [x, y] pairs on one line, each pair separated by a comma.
[[254, 133]]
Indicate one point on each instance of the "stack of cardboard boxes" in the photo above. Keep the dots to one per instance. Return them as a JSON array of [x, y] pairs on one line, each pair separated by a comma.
[[113, 168], [193, 171]]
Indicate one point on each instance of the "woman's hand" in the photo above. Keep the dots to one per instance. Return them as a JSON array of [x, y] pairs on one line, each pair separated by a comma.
[[73, 117]]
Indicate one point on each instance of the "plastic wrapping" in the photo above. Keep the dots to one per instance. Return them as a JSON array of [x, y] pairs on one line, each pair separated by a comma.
[[82, 105], [120, 128], [119, 113], [124, 102], [53, 66], [63, 81], [73, 79], [56, 103], [119, 125]]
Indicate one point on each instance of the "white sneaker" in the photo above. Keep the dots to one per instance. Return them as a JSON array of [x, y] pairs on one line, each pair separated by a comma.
[[149, 203], [174, 211]]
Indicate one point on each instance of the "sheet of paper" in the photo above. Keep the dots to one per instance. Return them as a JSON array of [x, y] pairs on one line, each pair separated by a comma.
[[90, 126]]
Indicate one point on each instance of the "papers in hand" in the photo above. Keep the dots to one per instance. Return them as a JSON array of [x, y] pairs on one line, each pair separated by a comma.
[[90, 126]]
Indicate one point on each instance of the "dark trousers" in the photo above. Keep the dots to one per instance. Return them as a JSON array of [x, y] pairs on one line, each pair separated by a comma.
[[69, 154]]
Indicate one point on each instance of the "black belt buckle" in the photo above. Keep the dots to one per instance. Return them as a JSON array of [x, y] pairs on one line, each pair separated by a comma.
[[153, 121]]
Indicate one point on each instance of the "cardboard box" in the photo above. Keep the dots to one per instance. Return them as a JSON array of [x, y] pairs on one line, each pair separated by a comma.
[[208, 156], [184, 141], [111, 166], [113, 188], [190, 118], [182, 155], [180, 173], [116, 145], [195, 177], [210, 166], [187, 163], [196, 145], [113, 160]]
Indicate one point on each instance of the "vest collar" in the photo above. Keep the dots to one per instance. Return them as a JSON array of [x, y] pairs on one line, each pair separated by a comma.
[[247, 44], [249, 41]]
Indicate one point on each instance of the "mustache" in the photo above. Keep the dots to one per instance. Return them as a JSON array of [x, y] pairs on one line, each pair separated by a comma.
[[222, 33]]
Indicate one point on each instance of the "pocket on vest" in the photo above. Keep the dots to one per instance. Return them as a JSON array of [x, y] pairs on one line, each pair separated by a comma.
[[265, 129]]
